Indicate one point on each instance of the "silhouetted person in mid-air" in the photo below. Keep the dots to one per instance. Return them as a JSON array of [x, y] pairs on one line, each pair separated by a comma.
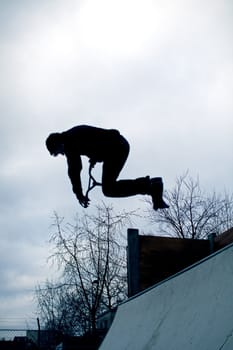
[[111, 148]]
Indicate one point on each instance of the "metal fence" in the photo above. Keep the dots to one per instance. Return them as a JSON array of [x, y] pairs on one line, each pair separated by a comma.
[[11, 334]]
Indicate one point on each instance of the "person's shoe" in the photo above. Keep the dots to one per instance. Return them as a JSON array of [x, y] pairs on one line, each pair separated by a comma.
[[156, 192]]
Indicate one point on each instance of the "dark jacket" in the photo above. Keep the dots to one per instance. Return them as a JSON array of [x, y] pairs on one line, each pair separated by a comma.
[[96, 143]]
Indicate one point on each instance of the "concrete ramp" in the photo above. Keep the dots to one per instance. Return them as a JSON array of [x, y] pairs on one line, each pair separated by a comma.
[[191, 310]]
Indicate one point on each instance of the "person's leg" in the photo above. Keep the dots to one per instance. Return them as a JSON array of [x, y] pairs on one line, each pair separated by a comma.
[[111, 170], [125, 188]]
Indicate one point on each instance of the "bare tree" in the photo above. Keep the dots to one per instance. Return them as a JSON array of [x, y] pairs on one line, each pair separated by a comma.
[[55, 308], [92, 258], [192, 213]]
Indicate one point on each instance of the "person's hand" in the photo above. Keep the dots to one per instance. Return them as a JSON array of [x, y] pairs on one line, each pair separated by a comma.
[[83, 201], [92, 163]]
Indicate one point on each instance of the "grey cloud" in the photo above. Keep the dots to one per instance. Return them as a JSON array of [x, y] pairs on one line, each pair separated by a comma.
[[170, 98]]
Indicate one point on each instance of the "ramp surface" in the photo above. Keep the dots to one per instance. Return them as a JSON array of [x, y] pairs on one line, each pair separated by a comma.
[[192, 310]]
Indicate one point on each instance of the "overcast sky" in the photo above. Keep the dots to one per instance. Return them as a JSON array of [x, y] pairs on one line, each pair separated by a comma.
[[160, 71]]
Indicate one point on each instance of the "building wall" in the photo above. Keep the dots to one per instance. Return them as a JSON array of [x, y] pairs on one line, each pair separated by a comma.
[[152, 259]]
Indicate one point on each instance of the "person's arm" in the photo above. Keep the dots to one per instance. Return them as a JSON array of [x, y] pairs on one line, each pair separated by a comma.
[[74, 172]]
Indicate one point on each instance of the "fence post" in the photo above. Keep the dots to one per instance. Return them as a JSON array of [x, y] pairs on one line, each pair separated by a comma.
[[38, 334], [211, 238], [133, 262]]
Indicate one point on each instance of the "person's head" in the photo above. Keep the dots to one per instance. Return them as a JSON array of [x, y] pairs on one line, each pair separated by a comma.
[[54, 144]]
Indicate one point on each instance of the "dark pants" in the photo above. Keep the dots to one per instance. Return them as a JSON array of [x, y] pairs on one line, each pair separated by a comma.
[[112, 167]]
